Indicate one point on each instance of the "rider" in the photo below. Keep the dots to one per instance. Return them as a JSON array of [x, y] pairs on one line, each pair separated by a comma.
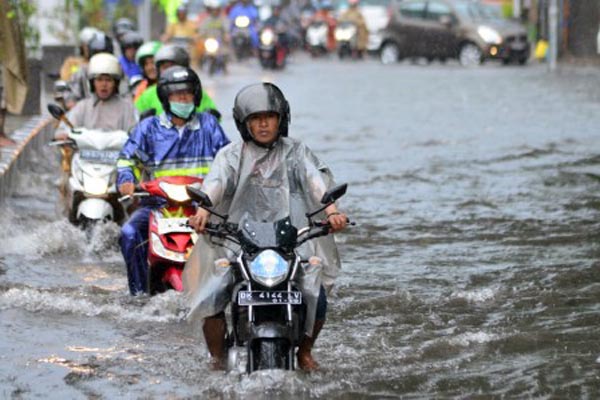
[[144, 57], [121, 27], [104, 109], [73, 63], [214, 24], [166, 56], [130, 42], [269, 176], [79, 82], [323, 13], [179, 142], [183, 28], [353, 14], [245, 8]]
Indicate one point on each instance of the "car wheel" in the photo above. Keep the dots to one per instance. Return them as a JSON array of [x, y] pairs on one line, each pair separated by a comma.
[[470, 55], [390, 53]]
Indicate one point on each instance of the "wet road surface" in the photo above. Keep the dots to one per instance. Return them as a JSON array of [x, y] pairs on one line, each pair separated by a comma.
[[472, 272]]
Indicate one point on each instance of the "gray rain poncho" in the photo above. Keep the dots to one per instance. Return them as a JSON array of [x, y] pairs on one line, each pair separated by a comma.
[[265, 184]]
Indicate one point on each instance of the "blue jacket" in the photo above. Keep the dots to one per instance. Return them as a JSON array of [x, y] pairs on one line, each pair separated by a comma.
[[130, 68], [170, 153]]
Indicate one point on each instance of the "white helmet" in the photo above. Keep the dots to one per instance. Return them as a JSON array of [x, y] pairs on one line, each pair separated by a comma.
[[212, 3], [104, 64], [87, 34]]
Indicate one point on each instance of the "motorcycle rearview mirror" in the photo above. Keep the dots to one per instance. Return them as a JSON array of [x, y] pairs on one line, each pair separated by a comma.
[[334, 193], [58, 113], [203, 200], [330, 197], [199, 196]]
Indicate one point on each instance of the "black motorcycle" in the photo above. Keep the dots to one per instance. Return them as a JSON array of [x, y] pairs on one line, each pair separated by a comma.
[[268, 311], [272, 49]]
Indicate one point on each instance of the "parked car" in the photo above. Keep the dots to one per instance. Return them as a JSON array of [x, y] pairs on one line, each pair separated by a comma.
[[376, 17], [464, 29]]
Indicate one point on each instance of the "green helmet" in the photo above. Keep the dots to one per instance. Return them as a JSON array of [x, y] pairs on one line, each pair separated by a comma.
[[146, 50]]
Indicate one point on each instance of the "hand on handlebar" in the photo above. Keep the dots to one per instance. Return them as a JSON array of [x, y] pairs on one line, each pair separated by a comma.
[[199, 221], [337, 221], [127, 189]]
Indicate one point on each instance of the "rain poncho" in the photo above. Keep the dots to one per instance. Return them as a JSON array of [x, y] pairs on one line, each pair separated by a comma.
[[265, 185]]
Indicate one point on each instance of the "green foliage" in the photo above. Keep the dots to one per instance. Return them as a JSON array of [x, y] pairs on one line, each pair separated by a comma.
[[93, 14]]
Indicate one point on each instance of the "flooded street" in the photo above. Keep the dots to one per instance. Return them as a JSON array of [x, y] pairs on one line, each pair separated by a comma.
[[473, 270]]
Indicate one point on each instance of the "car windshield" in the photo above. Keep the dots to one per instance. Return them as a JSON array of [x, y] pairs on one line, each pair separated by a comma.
[[476, 10]]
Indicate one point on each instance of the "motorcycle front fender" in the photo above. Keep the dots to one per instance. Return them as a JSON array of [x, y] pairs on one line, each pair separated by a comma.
[[271, 330], [95, 209]]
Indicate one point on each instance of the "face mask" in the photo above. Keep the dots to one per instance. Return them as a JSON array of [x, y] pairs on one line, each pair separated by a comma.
[[181, 110]]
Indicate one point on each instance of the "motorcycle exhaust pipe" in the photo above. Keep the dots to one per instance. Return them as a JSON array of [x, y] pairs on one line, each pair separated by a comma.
[[173, 277]]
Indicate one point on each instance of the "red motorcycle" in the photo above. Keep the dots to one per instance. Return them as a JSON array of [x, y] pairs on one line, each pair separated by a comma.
[[170, 239]]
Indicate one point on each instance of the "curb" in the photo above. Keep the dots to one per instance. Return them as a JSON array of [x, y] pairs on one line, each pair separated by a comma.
[[30, 137]]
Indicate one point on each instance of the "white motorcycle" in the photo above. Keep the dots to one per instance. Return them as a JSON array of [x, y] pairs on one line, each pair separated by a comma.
[[91, 192]]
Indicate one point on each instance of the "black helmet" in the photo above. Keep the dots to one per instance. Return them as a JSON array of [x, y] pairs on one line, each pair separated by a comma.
[[178, 78], [260, 97], [131, 39], [100, 43], [122, 26], [175, 54]]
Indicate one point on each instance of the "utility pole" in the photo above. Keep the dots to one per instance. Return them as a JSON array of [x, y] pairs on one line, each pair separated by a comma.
[[144, 17], [517, 8], [553, 33]]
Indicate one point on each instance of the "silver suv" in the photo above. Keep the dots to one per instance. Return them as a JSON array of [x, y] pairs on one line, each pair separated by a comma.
[[464, 29]]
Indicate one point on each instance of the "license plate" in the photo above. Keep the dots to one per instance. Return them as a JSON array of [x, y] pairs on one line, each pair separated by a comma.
[[100, 156], [261, 298]]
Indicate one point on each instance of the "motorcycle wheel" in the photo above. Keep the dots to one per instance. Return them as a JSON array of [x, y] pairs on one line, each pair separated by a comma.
[[270, 354]]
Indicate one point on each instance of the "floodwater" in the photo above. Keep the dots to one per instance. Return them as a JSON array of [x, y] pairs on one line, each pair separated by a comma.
[[473, 270]]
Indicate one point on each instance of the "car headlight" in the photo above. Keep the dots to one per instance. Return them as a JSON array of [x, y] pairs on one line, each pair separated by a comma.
[[269, 268], [242, 21], [489, 35], [267, 37], [211, 45], [94, 185], [160, 250]]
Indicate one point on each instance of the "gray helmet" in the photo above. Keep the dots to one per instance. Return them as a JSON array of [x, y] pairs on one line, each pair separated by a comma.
[[175, 54], [260, 97]]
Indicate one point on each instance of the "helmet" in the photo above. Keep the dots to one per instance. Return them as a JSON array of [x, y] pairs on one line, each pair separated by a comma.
[[123, 25], [100, 43], [131, 39], [178, 78], [212, 3], [148, 49], [260, 97], [173, 53], [104, 64], [86, 34]]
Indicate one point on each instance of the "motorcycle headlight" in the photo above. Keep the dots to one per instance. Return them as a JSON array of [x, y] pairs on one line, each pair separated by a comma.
[[94, 185], [211, 45], [489, 35], [242, 21], [269, 268], [267, 37], [160, 250]]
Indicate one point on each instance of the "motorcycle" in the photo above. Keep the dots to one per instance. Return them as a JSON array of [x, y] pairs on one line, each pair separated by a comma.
[[214, 56], [91, 193], [268, 311], [170, 239], [272, 53], [346, 36], [240, 37], [316, 38]]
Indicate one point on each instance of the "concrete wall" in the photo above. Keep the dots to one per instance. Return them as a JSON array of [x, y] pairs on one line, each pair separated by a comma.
[[32, 138], [583, 27]]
